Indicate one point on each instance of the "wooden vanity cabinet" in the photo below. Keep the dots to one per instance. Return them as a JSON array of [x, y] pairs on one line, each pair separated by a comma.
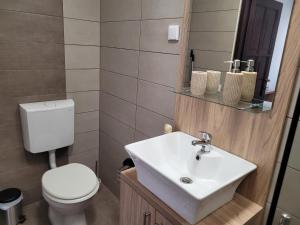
[[137, 211], [138, 206]]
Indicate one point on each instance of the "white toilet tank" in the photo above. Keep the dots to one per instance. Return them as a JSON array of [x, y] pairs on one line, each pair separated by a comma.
[[47, 125]]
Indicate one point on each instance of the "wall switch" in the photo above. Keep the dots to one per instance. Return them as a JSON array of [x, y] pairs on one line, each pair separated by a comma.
[[173, 33]]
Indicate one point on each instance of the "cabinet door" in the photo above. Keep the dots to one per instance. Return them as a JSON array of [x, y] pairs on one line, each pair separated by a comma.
[[134, 210], [160, 220]]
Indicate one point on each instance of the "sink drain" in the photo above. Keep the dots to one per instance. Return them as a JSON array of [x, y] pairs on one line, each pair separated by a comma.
[[186, 180]]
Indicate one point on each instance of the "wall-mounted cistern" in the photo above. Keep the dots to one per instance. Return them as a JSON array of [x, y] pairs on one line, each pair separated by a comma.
[[204, 142]]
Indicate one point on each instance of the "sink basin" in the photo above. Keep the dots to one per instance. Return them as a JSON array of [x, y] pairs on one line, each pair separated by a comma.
[[167, 166]]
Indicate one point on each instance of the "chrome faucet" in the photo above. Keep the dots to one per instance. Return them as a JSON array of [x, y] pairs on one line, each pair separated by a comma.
[[204, 142]]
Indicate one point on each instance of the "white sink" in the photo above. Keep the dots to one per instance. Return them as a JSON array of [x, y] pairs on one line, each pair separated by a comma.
[[161, 162]]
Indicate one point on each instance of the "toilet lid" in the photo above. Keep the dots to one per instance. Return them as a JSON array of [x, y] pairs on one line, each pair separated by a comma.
[[69, 182]]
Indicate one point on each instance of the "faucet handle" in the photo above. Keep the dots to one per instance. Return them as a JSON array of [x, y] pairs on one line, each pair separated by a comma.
[[205, 136]]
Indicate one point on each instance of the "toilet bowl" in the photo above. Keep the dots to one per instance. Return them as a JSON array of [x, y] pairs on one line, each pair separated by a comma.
[[47, 127], [68, 190]]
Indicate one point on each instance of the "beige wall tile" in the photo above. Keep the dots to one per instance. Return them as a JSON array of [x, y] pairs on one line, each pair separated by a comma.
[[215, 5], [82, 9], [84, 142], [83, 80], [116, 10], [85, 101], [116, 129], [214, 21], [156, 98], [85, 122], [156, 9], [289, 198], [120, 61], [139, 136], [159, 68], [124, 87], [149, 123], [212, 60], [81, 32], [88, 158], [118, 108], [221, 41], [112, 154], [81, 57], [121, 34], [294, 160], [154, 36]]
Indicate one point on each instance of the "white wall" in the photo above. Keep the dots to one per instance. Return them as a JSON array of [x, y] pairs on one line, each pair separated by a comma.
[[279, 45]]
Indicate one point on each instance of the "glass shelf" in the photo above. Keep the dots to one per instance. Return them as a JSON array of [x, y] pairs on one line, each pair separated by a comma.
[[217, 98]]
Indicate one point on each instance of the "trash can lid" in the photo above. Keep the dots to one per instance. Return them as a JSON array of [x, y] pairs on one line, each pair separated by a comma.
[[9, 195]]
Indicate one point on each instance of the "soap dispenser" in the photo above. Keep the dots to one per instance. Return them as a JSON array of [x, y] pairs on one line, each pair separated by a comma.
[[233, 84], [249, 81]]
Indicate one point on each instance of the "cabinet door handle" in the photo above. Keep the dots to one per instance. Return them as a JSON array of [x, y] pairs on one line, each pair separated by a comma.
[[147, 218]]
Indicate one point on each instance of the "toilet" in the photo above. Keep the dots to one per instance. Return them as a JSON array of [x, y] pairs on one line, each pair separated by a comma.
[[47, 127]]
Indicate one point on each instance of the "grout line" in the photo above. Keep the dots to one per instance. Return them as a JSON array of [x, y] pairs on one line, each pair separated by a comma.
[[210, 31], [80, 91], [82, 68], [83, 132], [32, 13], [109, 115], [80, 113], [142, 20], [123, 99], [207, 50], [141, 50], [136, 105], [219, 10], [87, 20], [137, 78], [84, 45]]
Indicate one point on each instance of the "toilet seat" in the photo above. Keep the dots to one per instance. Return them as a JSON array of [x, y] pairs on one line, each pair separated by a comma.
[[71, 183]]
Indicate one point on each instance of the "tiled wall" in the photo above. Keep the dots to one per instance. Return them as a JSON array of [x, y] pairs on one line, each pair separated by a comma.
[[289, 196], [82, 53], [212, 32], [32, 68], [138, 74]]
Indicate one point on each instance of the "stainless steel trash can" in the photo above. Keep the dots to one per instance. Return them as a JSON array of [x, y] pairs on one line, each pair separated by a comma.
[[11, 207]]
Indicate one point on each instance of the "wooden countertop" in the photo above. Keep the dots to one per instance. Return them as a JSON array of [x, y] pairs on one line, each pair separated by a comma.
[[239, 211]]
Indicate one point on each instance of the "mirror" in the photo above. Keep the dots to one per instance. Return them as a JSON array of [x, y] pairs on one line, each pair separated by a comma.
[[252, 31]]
